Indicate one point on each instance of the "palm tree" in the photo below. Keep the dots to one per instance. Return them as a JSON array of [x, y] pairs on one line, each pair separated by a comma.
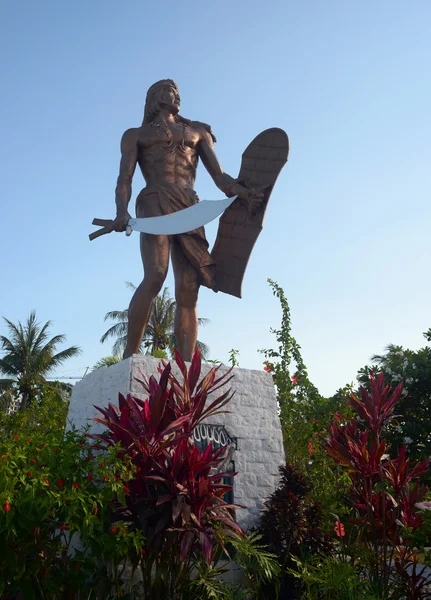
[[107, 361], [159, 334], [29, 356]]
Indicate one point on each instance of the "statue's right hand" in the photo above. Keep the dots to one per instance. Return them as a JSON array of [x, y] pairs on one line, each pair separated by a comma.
[[120, 221]]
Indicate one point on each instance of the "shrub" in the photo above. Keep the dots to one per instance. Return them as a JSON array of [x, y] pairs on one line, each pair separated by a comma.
[[50, 489], [384, 492], [291, 524], [139, 496], [175, 497]]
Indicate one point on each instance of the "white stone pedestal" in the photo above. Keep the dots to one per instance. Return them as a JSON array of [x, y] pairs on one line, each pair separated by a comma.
[[253, 421]]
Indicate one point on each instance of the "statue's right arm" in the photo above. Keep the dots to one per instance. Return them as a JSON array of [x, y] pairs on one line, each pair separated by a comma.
[[123, 191]]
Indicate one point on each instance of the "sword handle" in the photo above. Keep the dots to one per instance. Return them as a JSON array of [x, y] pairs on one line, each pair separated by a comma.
[[107, 227]]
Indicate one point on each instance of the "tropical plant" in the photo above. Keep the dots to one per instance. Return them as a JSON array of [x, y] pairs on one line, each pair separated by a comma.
[[385, 495], [56, 486], [53, 486], [328, 578], [304, 413], [412, 425], [291, 524], [107, 361], [29, 356], [234, 357], [159, 333], [8, 400], [259, 570], [46, 415], [176, 496]]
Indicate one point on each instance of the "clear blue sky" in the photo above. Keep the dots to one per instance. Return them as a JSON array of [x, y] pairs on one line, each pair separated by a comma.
[[347, 232]]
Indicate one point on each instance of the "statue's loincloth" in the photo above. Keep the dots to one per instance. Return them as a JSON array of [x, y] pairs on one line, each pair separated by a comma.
[[164, 199]]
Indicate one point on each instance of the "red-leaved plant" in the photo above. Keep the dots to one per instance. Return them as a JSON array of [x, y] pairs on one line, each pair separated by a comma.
[[384, 492], [176, 494]]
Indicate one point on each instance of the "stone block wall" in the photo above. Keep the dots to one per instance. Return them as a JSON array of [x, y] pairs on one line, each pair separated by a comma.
[[253, 420]]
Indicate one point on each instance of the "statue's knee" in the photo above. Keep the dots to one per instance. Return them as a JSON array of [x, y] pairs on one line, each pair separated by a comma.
[[156, 280]]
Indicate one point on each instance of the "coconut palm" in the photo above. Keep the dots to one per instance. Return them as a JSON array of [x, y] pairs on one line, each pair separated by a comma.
[[29, 356], [107, 361], [159, 334]]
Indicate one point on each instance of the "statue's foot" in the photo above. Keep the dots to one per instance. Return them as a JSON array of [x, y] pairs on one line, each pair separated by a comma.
[[127, 353]]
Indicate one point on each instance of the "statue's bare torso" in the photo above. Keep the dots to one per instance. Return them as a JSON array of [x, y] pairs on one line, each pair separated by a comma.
[[173, 161], [176, 164], [167, 148]]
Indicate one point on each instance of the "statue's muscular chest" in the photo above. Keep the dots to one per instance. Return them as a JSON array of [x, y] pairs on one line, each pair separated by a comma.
[[170, 137]]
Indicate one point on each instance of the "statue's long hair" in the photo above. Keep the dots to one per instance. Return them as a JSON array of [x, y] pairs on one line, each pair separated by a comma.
[[153, 102]]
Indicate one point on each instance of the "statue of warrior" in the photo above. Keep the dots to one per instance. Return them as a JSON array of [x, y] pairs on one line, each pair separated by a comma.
[[167, 148]]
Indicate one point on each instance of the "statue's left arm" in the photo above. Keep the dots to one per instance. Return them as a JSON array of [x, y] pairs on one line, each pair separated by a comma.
[[227, 184]]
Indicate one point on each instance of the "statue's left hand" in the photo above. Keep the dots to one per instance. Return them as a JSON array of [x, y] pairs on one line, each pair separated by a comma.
[[251, 198]]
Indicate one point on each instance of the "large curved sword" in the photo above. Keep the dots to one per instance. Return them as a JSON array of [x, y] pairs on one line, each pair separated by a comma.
[[175, 223]]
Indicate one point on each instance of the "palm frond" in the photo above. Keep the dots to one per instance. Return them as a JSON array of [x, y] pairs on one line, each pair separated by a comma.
[[29, 354], [6, 384], [107, 361], [202, 321], [159, 333], [60, 357], [117, 330], [204, 349], [119, 345], [117, 315], [43, 335], [16, 331], [9, 366]]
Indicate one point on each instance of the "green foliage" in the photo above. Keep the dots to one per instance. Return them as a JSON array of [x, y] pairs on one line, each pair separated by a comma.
[[304, 413], [107, 361], [386, 492], [262, 570], [413, 423], [213, 361], [8, 399], [208, 584], [306, 416], [159, 353], [327, 578], [233, 358], [29, 356], [260, 573], [421, 537], [292, 524], [46, 415], [176, 498], [52, 487], [159, 337], [55, 487]]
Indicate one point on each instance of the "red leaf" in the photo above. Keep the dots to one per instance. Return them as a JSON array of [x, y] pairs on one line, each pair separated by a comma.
[[206, 545], [186, 544], [181, 364], [195, 370]]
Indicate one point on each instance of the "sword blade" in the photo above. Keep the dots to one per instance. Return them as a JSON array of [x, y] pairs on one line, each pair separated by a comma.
[[183, 220]]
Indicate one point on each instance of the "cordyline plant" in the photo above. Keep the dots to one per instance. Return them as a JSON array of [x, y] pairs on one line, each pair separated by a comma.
[[384, 491], [175, 497]]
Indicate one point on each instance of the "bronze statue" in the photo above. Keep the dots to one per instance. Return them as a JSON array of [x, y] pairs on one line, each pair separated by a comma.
[[167, 148]]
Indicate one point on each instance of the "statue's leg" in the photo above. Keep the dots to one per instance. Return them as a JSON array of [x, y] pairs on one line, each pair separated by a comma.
[[186, 296], [155, 257]]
